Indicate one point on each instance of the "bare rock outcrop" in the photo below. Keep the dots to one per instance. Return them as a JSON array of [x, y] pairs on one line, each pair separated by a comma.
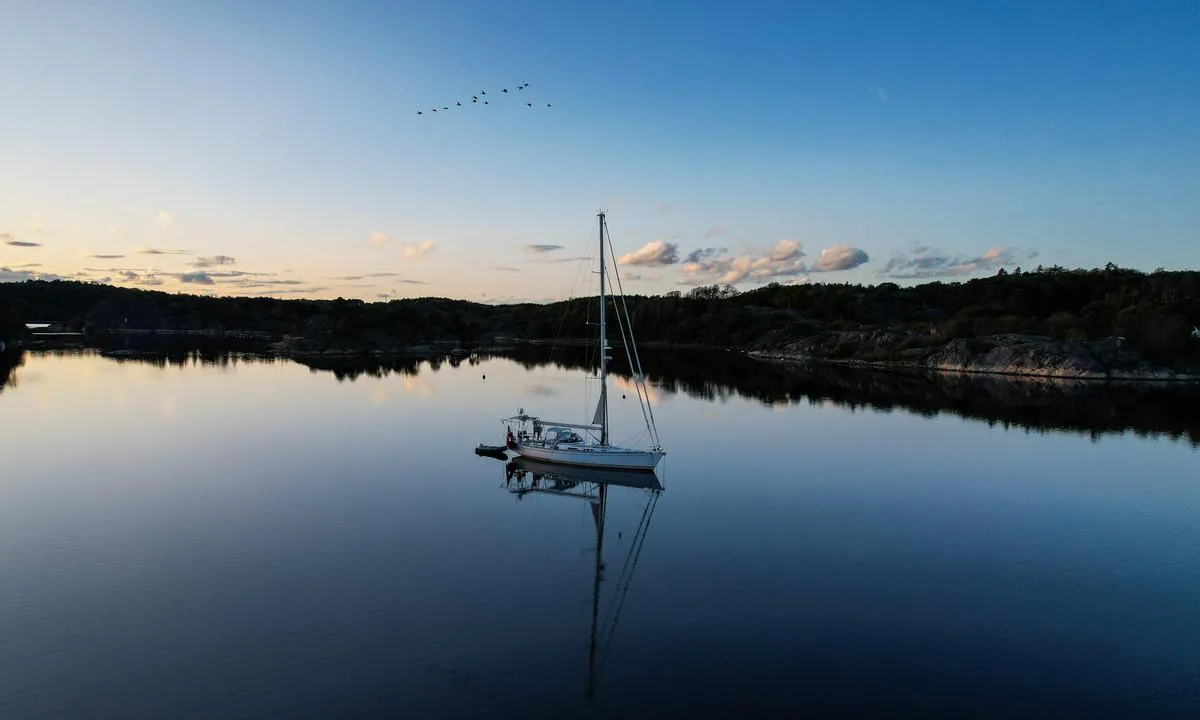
[[1108, 359]]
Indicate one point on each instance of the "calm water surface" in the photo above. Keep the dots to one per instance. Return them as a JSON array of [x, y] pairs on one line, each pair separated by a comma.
[[261, 539]]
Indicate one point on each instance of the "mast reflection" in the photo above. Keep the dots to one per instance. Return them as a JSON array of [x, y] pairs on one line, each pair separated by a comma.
[[524, 476]]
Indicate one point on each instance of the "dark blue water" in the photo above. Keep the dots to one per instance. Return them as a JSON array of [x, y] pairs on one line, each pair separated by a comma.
[[254, 539]]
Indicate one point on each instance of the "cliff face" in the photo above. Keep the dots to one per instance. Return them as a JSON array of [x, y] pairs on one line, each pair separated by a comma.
[[1110, 359], [1022, 355]]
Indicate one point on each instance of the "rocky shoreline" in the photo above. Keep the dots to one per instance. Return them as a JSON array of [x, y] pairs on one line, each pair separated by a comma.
[[1010, 354]]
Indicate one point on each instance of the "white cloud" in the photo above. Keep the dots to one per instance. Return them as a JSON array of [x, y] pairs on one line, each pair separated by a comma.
[[9, 275], [639, 277], [214, 261], [163, 221], [927, 262], [291, 291], [146, 278], [573, 258], [786, 250], [8, 239], [362, 276], [840, 257], [655, 252], [196, 278], [415, 251], [702, 253], [714, 266], [160, 251], [14, 275], [255, 280], [378, 238]]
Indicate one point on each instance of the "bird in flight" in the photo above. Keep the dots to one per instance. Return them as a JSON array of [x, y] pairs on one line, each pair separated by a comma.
[[480, 97]]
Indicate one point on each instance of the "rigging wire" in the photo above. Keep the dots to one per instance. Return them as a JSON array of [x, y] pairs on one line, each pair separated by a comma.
[[639, 378], [643, 403], [595, 356], [635, 552], [629, 555]]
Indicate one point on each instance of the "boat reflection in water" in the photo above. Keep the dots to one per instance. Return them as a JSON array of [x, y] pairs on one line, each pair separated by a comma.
[[524, 476]]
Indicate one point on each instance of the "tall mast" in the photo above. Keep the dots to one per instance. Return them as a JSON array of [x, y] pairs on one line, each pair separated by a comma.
[[603, 410]]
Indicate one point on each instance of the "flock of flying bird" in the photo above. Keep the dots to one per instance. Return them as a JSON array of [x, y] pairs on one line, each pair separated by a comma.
[[481, 98]]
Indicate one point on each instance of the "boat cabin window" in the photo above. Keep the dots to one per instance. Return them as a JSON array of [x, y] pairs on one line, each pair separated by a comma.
[[562, 435]]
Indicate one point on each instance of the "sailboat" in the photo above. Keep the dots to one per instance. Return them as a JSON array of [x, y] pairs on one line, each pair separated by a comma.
[[587, 444], [592, 484]]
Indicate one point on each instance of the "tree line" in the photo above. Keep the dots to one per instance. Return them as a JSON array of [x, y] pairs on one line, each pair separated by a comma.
[[1155, 312], [12, 327]]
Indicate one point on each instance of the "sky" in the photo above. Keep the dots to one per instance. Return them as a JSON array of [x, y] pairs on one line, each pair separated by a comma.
[[276, 148]]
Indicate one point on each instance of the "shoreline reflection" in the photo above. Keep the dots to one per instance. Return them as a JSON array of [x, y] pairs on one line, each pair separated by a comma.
[[1086, 407], [9, 362]]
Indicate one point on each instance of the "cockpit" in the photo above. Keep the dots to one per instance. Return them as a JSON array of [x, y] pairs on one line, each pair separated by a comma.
[[561, 436]]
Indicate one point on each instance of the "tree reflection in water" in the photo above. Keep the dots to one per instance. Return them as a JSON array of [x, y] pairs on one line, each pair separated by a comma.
[[1038, 404], [9, 362]]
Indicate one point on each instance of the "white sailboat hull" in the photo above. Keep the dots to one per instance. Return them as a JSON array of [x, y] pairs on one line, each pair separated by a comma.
[[593, 456], [560, 443]]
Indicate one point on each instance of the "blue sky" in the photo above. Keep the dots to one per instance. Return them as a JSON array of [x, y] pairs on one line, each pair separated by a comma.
[[275, 147]]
